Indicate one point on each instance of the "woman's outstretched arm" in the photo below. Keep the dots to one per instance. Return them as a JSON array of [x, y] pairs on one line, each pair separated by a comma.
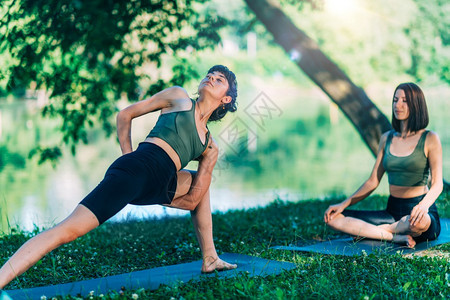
[[365, 189]]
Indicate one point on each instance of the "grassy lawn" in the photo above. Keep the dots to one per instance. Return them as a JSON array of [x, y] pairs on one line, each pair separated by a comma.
[[115, 248]]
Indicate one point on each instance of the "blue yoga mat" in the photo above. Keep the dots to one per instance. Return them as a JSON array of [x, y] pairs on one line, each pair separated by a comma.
[[350, 247], [153, 278]]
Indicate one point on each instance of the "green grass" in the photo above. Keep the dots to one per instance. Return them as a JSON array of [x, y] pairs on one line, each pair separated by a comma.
[[115, 248]]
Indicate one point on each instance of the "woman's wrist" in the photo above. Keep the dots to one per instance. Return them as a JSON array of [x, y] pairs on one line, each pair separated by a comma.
[[126, 149], [347, 202], [425, 203]]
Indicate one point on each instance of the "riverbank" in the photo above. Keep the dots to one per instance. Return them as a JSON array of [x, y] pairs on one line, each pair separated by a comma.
[[116, 248]]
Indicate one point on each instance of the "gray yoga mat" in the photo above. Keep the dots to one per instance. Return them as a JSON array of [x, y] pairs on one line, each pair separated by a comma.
[[350, 247], [153, 278]]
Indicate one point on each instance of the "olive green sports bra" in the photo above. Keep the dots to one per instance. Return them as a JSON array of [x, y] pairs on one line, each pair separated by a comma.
[[178, 129], [411, 170]]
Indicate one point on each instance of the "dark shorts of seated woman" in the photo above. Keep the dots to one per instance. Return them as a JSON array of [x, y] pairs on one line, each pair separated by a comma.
[[395, 210]]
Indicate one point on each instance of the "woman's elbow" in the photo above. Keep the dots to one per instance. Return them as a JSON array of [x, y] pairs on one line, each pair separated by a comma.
[[123, 116], [438, 186], [372, 183]]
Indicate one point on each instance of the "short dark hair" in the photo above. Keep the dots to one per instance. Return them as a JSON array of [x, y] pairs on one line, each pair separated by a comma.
[[418, 113], [221, 111]]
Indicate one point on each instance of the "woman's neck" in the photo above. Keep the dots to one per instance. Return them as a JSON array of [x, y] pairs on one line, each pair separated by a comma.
[[204, 109], [408, 133], [404, 132]]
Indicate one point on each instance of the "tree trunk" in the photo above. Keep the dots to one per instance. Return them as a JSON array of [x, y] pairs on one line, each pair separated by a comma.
[[351, 99]]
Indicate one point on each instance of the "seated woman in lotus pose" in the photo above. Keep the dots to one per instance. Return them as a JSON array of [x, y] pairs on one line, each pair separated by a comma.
[[408, 154], [153, 173]]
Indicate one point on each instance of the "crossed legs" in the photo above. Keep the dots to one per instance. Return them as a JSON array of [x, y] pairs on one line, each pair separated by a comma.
[[398, 232]]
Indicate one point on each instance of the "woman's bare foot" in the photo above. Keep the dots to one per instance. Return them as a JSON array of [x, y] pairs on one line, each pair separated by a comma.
[[404, 239], [211, 264]]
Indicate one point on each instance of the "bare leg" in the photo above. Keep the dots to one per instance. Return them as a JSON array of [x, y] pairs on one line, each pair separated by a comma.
[[404, 231], [202, 221], [80, 222], [398, 232]]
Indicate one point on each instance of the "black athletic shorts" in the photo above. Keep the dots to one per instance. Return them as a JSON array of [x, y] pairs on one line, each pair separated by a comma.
[[143, 177], [395, 210]]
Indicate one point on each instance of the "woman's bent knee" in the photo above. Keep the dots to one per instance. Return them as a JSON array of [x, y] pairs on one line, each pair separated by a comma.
[[333, 223], [415, 229], [419, 228]]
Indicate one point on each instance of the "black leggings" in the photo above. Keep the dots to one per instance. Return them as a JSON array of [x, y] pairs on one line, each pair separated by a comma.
[[143, 177], [395, 210]]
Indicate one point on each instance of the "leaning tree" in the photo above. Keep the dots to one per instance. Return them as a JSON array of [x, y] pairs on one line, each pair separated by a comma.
[[368, 120]]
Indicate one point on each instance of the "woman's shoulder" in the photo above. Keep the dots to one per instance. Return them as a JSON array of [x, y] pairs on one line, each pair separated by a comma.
[[176, 92], [386, 134], [177, 98], [432, 143], [383, 140], [432, 138]]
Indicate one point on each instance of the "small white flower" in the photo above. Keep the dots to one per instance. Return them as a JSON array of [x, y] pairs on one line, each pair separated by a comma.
[[135, 296], [43, 297], [91, 293]]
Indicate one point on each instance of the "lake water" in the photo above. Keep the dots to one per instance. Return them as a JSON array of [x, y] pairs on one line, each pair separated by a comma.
[[306, 149]]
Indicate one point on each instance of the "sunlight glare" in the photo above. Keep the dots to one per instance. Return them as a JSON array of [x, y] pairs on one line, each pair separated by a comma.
[[341, 7]]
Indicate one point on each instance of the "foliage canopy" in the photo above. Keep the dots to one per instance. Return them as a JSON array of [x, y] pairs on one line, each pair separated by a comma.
[[89, 54]]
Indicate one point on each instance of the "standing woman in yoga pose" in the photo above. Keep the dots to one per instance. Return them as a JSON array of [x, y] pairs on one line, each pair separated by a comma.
[[408, 154], [153, 174]]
